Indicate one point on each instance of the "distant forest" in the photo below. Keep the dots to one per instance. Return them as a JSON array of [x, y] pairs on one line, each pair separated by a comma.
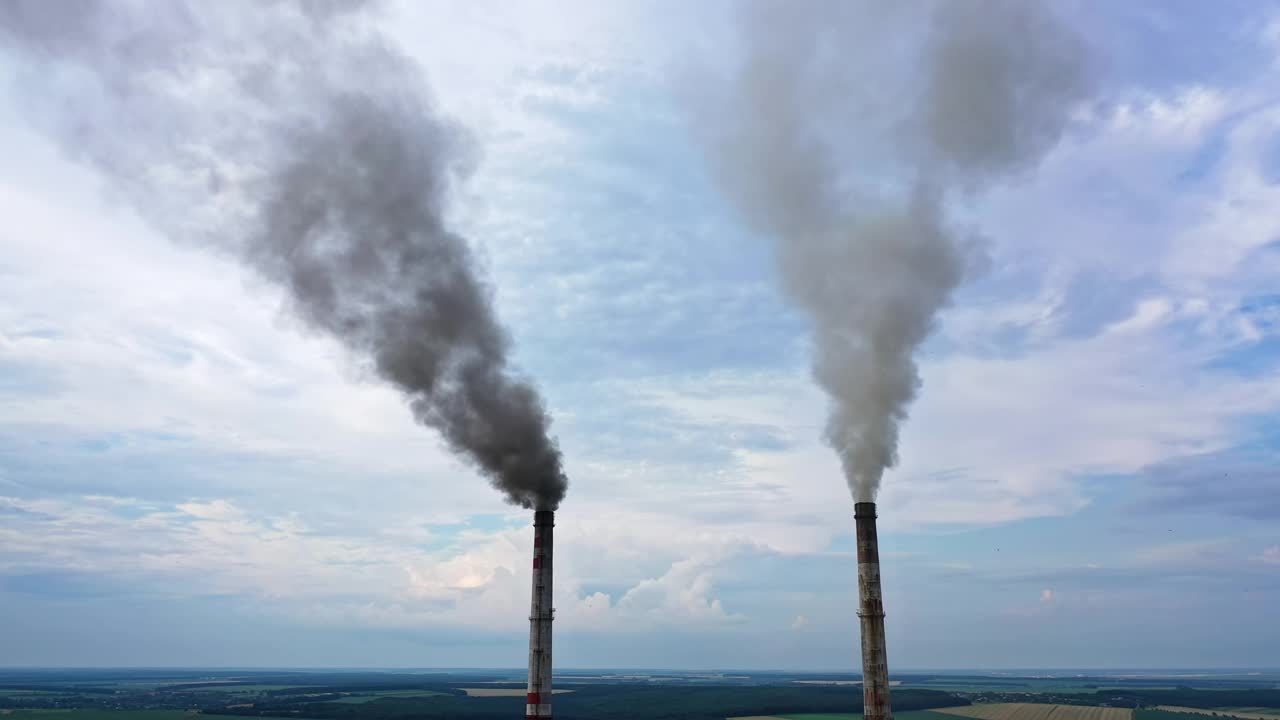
[[607, 702], [610, 695], [1191, 697]]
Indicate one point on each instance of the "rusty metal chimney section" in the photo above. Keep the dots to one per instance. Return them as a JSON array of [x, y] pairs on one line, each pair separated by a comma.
[[538, 702], [875, 666]]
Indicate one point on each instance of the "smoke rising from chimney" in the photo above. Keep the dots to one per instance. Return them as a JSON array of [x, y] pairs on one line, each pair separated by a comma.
[[844, 131], [291, 135]]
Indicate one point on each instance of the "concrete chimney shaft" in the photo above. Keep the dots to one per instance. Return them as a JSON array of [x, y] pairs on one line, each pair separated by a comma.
[[875, 666], [538, 700]]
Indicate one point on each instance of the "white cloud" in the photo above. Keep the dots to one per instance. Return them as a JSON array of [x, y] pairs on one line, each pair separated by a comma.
[[683, 594], [375, 577], [1146, 317], [1179, 121], [138, 337]]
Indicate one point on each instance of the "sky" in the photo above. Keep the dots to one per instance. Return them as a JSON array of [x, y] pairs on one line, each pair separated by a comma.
[[1088, 476]]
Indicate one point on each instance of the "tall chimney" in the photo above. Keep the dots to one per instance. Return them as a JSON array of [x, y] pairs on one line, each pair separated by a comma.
[[538, 702], [875, 666]]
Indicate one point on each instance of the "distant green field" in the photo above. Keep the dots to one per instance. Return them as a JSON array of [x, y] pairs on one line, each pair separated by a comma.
[[95, 714], [360, 699], [911, 715], [1241, 713], [978, 688], [218, 687], [1165, 715]]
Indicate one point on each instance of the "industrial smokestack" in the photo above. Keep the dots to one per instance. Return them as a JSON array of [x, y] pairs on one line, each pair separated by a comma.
[[538, 702], [875, 666]]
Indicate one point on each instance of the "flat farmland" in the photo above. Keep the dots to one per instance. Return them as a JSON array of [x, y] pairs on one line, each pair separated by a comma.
[[502, 692], [370, 697], [1245, 713], [908, 715], [95, 714], [250, 688], [804, 716], [1033, 711], [892, 683]]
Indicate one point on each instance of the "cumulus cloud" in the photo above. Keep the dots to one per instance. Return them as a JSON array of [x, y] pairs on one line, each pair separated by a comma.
[[682, 594], [386, 577]]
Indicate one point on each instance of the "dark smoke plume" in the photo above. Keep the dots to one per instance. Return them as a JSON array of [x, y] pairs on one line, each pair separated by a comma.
[[845, 131], [290, 134]]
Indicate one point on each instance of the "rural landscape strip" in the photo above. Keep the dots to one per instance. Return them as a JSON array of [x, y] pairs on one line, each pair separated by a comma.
[[1247, 714], [1037, 711]]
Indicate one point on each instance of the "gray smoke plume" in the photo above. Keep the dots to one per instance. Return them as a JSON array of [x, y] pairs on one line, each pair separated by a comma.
[[290, 134], [845, 131]]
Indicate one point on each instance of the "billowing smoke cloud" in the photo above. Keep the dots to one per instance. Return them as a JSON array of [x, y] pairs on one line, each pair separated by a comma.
[[290, 134], [845, 132]]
